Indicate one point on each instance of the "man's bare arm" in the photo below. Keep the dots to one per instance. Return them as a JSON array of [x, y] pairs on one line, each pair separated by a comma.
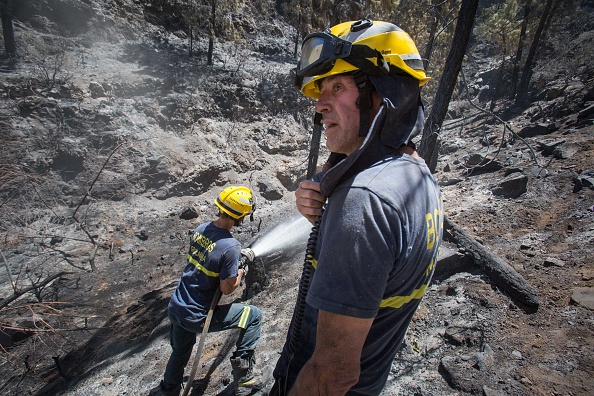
[[336, 362], [230, 284]]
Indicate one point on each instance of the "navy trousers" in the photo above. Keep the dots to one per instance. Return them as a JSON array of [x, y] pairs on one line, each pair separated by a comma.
[[182, 336]]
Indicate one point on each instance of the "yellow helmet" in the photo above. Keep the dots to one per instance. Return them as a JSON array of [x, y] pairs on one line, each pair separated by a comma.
[[236, 201], [373, 47]]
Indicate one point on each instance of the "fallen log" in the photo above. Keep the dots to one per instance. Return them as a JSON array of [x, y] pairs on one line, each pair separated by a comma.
[[503, 274]]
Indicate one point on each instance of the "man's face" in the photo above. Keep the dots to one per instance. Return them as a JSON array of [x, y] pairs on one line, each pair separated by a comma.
[[340, 114]]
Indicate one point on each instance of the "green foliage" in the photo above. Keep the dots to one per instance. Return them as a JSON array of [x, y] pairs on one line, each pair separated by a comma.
[[500, 23]]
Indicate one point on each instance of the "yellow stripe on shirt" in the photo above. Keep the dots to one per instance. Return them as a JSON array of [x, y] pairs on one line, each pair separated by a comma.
[[202, 268], [399, 301]]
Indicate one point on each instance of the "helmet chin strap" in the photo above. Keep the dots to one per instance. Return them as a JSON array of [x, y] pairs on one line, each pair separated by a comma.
[[364, 102]]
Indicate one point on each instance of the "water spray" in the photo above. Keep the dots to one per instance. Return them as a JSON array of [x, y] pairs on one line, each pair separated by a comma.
[[286, 235]]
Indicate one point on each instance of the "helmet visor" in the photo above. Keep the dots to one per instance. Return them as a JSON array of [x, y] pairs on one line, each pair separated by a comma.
[[319, 52]]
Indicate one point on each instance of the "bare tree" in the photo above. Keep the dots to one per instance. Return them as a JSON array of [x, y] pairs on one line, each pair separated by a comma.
[[211, 35], [527, 72], [499, 24], [7, 27], [518, 58], [429, 148], [216, 23], [432, 32]]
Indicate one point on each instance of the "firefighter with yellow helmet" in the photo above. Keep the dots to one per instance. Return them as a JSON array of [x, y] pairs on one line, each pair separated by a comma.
[[213, 262], [377, 212]]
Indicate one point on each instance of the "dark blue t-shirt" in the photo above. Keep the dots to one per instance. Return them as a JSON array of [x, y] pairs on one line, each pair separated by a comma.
[[375, 254], [213, 256]]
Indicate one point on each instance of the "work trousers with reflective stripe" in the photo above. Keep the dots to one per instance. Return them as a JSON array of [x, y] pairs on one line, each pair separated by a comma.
[[247, 318]]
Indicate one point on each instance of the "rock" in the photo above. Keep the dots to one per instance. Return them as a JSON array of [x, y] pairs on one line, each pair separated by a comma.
[[509, 171], [566, 150], [537, 130], [484, 359], [289, 177], [142, 235], [450, 147], [555, 92], [553, 262], [483, 163], [106, 381], [512, 186], [587, 274], [96, 89], [126, 248], [538, 171], [583, 296], [33, 104], [461, 375], [270, 189], [525, 381], [11, 334], [189, 213], [586, 113], [450, 182], [458, 335], [451, 262], [487, 391], [517, 355], [584, 179], [548, 147]]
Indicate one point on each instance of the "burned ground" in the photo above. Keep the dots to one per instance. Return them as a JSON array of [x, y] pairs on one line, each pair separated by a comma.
[[107, 170]]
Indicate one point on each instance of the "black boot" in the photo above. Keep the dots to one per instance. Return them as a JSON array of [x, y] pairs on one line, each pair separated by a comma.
[[246, 379], [161, 390]]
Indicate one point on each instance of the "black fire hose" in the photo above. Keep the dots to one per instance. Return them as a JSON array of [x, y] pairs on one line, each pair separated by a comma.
[[302, 294], [304, 285]]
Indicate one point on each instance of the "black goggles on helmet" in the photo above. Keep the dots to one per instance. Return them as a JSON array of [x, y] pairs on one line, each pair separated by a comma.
[[319, 52]]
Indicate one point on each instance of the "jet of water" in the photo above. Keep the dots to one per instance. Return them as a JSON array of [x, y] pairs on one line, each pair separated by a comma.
[[286, 235]]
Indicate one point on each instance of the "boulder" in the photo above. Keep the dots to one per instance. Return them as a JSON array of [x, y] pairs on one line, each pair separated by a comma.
[[512, 186]]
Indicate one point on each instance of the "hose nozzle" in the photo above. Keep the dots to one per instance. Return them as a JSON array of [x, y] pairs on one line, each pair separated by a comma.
[[247, 257]]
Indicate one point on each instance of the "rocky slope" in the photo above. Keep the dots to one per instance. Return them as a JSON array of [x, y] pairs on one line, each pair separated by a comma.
[[115, 144]]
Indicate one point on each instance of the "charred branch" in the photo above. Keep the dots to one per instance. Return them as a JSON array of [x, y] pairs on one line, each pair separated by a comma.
[[503, 274]]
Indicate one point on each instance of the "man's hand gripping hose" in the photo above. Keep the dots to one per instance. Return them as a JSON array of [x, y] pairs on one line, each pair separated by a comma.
[[247, 257]]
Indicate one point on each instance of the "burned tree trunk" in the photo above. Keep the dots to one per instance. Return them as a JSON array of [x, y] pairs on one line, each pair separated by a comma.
[[429, 141], [518, 58], [522, 95], [508, 280], [7, 27]]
